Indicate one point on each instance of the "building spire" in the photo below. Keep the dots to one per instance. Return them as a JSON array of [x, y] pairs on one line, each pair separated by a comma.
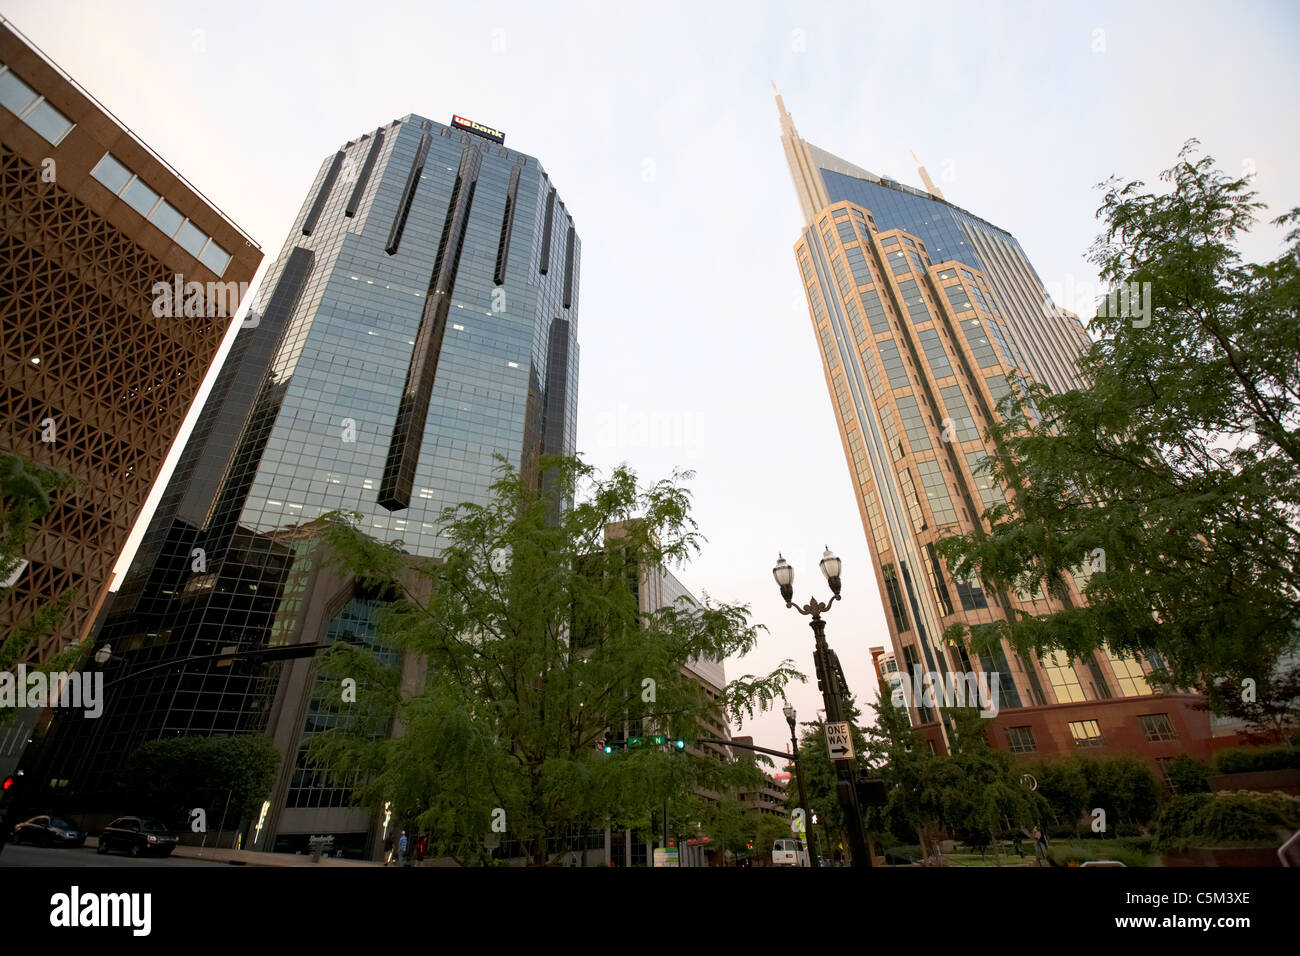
[[925, 178], [808, 183]]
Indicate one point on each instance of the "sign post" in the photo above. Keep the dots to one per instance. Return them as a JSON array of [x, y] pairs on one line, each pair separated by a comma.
[[839, 740]]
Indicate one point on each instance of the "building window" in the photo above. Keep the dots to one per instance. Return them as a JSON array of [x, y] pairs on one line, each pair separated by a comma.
[[959, 413], [980, 346], [1064, 680], [32, 108], [990, 494], [934, 352], [936, 493], [1128, 673], [1157, 727], [876, 316], [121, 182], [1086, 733], [1021, 740], [937, 582], [914, 302], [893, 363], [895, 595], [917, 434]]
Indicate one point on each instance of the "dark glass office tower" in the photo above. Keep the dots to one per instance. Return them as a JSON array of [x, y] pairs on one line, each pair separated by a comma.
[[421, 319]]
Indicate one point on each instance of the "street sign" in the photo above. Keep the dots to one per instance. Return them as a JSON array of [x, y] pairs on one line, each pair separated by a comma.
[[839, 741]]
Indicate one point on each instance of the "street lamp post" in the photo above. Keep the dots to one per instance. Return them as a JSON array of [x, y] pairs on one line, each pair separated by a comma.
[[803, 795], [832, 691]]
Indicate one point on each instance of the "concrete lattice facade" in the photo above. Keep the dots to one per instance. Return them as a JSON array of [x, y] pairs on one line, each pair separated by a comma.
[[94, 383]]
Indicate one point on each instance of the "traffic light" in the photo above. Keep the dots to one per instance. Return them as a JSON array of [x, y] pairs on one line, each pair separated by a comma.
[[679, 744], [872, 793], [7, 785]]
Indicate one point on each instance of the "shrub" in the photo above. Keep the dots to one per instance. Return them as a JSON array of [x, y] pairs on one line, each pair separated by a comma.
[[1251, 759], [1187, 775], [1239, 817]]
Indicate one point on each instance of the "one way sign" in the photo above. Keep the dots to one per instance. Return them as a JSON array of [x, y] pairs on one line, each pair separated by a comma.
[[839, 741]]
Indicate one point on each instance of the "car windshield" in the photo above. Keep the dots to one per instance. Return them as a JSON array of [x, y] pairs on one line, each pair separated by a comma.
[[152, 826], [62, 823]]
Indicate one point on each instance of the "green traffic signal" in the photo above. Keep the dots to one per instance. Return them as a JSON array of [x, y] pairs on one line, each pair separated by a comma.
[[679, 744]]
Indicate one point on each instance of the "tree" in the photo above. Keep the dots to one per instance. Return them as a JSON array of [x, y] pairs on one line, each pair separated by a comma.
[[1170, 480], [1271, 713], [769, 828], [731, 828], [173, 776], [980, 794], [26, 496], [537, 652]]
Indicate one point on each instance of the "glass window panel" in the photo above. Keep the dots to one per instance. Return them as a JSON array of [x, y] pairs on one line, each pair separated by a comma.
[[828, 346], [958, 297], [49, 122], [215, 258], [934, 352], [140, 197], [980, 346], [15, 95], [111, 173], [959, 413], [918, 436], [876, 316], [936, 492], [914, 301], [842, 277], [191, 238], [990, 494], [858, 265], [166, 218], [892, 362]]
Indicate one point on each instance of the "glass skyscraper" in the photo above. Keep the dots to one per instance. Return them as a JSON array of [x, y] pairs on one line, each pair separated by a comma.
[[926, 317], [420, 320]]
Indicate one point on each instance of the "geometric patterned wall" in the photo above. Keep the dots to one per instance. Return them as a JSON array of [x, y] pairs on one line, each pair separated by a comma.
[[76, 292]]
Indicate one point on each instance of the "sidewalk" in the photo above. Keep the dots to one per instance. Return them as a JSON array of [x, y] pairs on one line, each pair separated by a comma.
[[251, 857]]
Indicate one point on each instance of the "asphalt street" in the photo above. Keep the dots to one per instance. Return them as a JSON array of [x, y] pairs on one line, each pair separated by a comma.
[[17, 856]]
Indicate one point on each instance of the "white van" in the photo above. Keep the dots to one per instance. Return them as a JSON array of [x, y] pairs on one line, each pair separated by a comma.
[[789, 853]]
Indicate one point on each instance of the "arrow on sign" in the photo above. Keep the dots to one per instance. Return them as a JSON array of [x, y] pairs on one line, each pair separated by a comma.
[[839, 750]]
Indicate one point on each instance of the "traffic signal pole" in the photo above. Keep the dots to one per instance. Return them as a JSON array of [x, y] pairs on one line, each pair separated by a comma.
[[846, 784]]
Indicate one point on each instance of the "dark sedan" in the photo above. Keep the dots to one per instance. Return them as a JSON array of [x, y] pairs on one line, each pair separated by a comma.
[[49, 831], [137, 836]]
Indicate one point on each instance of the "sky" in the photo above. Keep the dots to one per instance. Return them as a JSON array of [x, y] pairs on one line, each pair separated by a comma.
[[656, 123]]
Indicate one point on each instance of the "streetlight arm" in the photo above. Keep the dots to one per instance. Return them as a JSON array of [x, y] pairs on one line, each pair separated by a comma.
[[814, 606]]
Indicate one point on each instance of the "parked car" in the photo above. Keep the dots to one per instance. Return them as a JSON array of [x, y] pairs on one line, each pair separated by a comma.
[[48, 830], [137, 836]]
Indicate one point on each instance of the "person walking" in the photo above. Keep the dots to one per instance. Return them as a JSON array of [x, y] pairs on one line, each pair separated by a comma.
[[402, 844]]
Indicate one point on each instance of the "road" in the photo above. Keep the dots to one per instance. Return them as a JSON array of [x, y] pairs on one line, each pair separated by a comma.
[[16, 856]]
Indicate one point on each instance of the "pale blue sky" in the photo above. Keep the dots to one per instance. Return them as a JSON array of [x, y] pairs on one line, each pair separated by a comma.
[[657, 125]]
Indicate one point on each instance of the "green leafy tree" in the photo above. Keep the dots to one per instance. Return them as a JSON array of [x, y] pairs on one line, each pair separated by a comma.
[[536, 650], [175, 775], [1172, 477], [981, 795], [769, 828], [731, 828], [26, 496]]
